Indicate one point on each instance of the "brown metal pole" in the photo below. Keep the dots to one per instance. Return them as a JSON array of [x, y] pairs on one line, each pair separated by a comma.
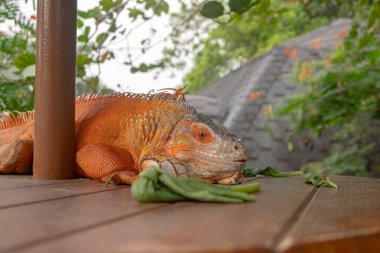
[[54, 156]]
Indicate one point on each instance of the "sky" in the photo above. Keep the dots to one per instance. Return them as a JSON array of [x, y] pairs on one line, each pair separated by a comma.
[[114, 72]]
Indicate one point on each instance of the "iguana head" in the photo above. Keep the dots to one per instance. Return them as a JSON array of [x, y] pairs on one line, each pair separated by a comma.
[[199, 148]]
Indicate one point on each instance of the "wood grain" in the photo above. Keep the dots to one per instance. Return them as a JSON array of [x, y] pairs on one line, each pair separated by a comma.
[[343, 220], [39, 223], [288, 217], [196, 227], [19, 181], [44, 192]]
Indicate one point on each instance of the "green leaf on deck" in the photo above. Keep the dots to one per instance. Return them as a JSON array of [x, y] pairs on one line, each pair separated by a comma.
[[268, 171], [319, 180], [156, 185]]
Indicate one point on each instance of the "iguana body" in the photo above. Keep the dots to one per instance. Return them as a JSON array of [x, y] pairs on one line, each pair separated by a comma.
[[118, 135]]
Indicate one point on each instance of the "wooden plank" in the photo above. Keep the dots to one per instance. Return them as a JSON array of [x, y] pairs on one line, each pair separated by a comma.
[[6, 177], [27, 225], [343, 220], [20, 181], [69, 188], [197, 227]]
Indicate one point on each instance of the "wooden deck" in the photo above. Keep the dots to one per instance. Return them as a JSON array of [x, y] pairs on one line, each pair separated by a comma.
[[288, 216]]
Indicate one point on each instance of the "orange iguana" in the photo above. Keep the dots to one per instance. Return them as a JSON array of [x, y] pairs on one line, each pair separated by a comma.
[[120, 134]]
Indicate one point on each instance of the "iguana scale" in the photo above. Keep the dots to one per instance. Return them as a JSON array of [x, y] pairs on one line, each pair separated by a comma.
[[118, 135]]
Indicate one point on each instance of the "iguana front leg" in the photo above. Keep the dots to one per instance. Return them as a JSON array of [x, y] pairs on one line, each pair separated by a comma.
[[17, 157], [107, 163]]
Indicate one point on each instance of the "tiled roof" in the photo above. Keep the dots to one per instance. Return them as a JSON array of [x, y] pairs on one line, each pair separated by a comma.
[[228, 101]]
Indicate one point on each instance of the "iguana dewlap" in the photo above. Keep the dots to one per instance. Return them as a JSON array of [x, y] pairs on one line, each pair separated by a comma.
[[120, 134]]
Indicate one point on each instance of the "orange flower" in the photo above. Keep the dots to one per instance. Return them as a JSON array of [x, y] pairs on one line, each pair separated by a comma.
[[33, 17], [287, 51], [342, 33], [267, 111], [305, 72], [254, 95], [292, 53], [315, 44], [1, 33], [327, 62]]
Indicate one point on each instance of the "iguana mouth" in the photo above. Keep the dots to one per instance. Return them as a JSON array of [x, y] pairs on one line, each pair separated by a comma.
[[230, 179], [220, 158], [240, 161]]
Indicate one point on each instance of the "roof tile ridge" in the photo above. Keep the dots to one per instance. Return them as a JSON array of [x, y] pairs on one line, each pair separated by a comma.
[[238, 108], [319, 32]]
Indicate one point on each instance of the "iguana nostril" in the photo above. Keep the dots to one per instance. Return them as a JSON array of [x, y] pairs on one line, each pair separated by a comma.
[[235, 147]]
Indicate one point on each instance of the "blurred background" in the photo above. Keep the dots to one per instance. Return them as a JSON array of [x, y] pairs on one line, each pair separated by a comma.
[[297, 80]]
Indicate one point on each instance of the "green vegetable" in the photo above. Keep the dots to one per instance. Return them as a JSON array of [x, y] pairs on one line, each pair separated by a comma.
[[155, 185], [319, 180], [268, 171], [248, 188]]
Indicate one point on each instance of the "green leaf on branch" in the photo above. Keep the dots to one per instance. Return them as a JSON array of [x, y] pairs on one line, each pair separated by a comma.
[[101, 38], [134, 13], [319, 180], [109, 4], [366, 40], [143, 67], [212, 9], [282, 10], [83, 60], [268, 171], [80, 23], [113, 27], [239, 6], [158, 7], [374, 14], [92, 13], [84, 37], [163, 7], [263, 6], [24, 60]]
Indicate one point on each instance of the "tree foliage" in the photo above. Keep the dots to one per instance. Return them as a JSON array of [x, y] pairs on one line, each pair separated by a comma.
[[17, 59], [98, 29], [246, 37], [257, 28]]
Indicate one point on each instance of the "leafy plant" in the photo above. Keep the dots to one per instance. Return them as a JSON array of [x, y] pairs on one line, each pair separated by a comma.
[[319, 180], [16, 59], [249, 29], [98, 29], [268, 171], [342, 94]]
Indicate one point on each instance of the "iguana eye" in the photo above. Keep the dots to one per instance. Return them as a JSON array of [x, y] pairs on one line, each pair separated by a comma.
[[202, 134]]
